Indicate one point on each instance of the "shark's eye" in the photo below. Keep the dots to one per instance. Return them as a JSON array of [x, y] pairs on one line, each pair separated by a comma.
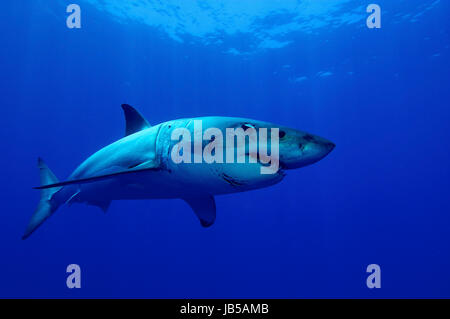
[[282, 134], [246, 126]]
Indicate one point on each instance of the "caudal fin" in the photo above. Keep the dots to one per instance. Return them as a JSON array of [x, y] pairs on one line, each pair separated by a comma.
[[46, 206]]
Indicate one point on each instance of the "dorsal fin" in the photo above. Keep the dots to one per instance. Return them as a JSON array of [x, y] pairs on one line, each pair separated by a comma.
[[47, 177], [135, 122]]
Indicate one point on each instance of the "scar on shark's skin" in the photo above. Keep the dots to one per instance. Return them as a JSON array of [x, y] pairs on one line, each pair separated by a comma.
[[230, 180], [140, 166]]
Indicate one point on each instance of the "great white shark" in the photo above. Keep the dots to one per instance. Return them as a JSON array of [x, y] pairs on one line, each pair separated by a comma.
[[139, 166]]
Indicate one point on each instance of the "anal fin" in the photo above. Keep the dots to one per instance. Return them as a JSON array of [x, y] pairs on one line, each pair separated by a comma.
[[102, 204]]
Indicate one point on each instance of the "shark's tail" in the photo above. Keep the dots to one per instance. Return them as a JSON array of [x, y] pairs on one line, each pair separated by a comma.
[[46, 206]]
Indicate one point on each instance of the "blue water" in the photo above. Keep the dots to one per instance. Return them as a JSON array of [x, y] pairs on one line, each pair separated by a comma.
[[381, 197]]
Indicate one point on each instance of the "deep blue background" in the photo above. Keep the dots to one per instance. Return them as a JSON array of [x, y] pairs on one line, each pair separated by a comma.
[[382, 196]]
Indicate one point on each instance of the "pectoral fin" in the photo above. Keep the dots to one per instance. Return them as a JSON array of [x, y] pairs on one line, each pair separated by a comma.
[[204, 207]]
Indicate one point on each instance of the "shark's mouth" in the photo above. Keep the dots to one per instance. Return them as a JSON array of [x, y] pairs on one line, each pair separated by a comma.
[[281, 172]]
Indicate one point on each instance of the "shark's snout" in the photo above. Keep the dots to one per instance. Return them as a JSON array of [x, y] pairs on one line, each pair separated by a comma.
[[316, 149], [329, 147], [304, 149]]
